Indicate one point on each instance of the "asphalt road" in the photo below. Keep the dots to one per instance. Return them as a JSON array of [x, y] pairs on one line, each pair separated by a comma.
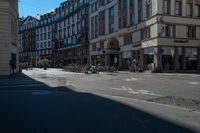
[[41, 104], [142, 86]]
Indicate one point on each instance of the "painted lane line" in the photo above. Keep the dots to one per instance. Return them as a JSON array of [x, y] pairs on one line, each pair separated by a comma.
[[136, 92], [132, 79], [193, 83]]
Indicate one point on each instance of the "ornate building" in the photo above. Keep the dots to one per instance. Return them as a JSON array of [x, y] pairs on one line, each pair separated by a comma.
[[165, 33], [70, 33]]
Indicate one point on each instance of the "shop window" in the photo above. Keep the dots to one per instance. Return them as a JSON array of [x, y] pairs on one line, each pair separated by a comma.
[[191, 58], [168, 58]]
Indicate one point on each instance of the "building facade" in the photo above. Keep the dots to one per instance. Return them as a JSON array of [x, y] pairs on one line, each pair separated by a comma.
[[27, 40], [165, 33], [60, 36], [44, 38], [70, 33], [8, 36]]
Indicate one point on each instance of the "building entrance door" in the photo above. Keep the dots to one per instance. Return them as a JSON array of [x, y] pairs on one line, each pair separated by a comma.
[[113, 52]]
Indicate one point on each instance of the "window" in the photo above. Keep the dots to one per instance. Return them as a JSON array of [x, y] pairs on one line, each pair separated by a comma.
[[128, 39], [170, 31], [96, 26], [111, 20], [101, 45], [94, 46], [48, 35], [78, 15], [166, 6], [96, 6], [45, 36], [191, 32], [148, 8], [73, 29], [102, 23], [41, 36], [92, 8], [101, 3], [78, 27], [49, 44], [140, 11], [41, 45], [68, 31], [108, 1], [189, 9], [178, 8], [122, 13], [45, 44], [64, 23], [60, 34], [197, 9], [64, 32], [145, 33], [73, 19], [132, 13], [92, 27]]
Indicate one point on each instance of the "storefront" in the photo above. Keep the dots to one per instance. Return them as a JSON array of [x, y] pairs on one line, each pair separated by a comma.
[[148, 58], [168, 58], [127, 55], [171, 58], [98, 60], [191, 59]]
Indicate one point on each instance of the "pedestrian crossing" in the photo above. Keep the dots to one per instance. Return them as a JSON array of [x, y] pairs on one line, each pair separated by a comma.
[[20, 82]]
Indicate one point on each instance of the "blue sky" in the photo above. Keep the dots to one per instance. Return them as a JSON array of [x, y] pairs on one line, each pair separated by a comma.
[[33, 7]]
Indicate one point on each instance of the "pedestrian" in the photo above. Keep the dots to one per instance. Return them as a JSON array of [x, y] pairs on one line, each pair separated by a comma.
[[129, 64], [133, 65], [13, 66]]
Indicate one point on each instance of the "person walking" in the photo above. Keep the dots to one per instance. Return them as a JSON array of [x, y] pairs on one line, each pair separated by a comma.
[[129, 64]]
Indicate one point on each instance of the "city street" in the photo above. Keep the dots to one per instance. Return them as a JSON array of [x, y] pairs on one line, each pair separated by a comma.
[[57, 101]]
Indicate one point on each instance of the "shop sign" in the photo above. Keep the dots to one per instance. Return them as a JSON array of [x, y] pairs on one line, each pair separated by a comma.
[[181, 41]]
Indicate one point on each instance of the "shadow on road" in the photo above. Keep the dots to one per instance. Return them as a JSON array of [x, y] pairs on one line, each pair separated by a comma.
[[53, 110]]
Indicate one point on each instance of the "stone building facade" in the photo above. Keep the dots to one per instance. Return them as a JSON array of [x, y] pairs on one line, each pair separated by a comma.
[[157, 34], [70, 33], [60, 36], [8, 36]]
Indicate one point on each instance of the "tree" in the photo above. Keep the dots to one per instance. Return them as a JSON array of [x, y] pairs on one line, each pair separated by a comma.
[[44, 63]]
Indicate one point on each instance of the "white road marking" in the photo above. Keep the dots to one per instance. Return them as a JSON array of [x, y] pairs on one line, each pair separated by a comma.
[[136, 92], [194, 83], [132, 79]]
